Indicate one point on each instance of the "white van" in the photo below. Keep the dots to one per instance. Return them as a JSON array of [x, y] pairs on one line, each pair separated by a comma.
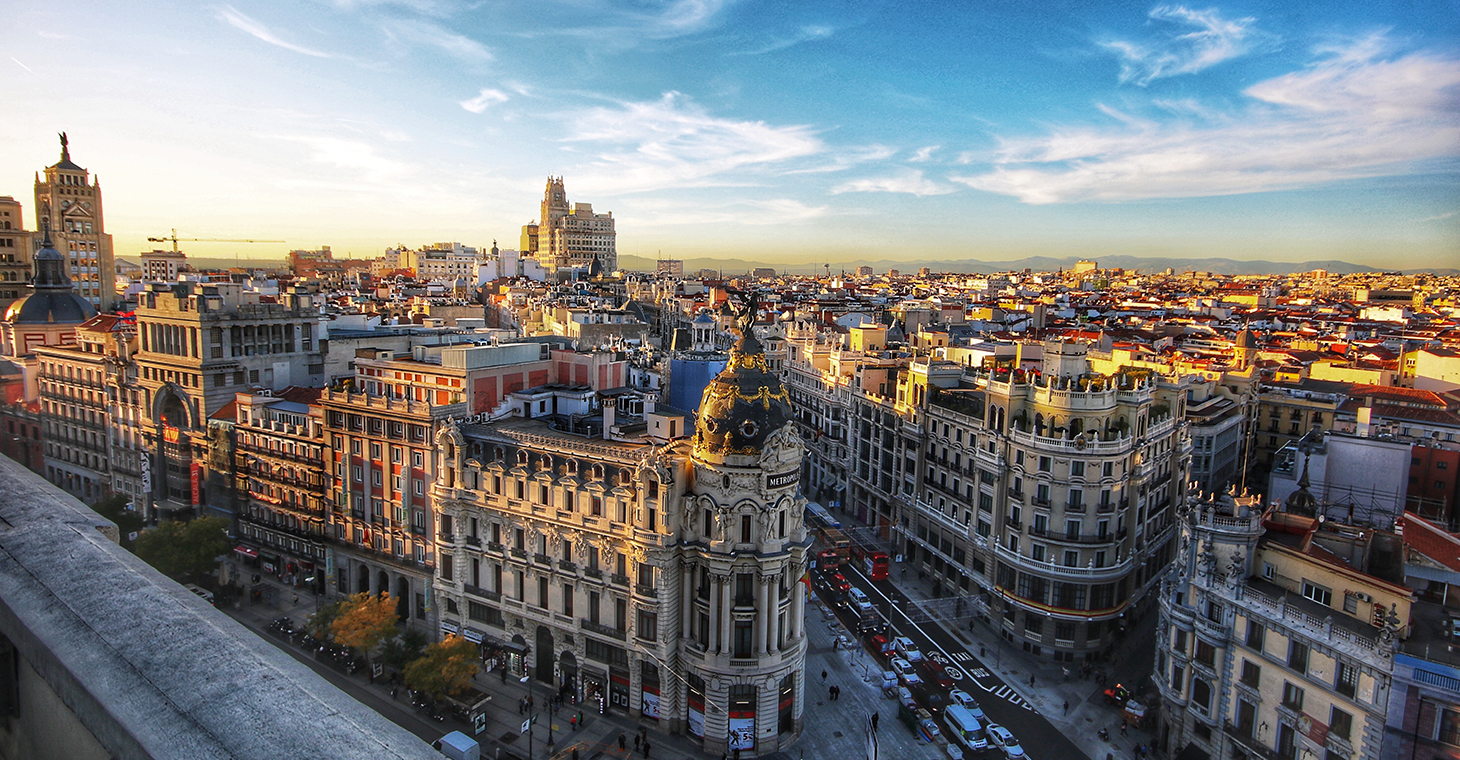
[[857, 595], [965, 728]]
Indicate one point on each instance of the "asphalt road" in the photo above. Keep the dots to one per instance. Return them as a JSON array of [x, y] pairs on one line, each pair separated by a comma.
[[1040, 739]]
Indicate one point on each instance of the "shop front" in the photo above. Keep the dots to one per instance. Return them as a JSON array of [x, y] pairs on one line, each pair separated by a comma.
[[595, 691], [649, 690], [618, 690]]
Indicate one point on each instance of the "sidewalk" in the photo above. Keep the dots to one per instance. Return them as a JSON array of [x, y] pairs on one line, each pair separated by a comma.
[[1051, 689], [596, 737]]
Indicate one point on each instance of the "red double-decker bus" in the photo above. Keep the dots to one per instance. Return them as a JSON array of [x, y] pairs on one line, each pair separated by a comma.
[[873, 563]]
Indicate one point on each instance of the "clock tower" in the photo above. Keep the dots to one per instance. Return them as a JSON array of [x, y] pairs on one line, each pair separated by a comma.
[[68, 200]]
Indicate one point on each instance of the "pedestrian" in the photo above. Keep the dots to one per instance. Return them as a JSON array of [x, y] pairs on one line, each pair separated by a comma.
[[646, 749], [831, 693], [980, 650], [575, 753], [1031, 680], [393, 690], [636, 742], [573, 721], [623, 742], [1067, 707], [1122, 728], [580, 717], [503, 673], [823, 676], [875, 716]]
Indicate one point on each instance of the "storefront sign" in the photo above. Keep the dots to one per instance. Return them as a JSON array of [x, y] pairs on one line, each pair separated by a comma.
[[651, 703], [696, 719], [742, 732], [147, 475], [782, 480], [171, 434], [449, 627], [474, 637], [195, 476]]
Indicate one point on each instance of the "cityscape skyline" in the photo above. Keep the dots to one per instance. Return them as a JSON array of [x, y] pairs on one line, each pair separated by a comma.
[[721, 130]]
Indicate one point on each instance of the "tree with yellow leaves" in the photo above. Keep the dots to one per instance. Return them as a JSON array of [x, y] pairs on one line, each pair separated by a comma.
[[445, 668], [363, 621]]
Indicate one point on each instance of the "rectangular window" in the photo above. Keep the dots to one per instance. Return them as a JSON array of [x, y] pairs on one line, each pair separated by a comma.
[[1077, 469], [1449, 732], [1347, 682], [597, 506], [745, 529], [446, 566], [1251, 674], [1255, 635], [1044, 464], [620, 615], [593, 604], [542, 592], [568, 599], [647, 627], [1206, 654], [744, 638], [1292, 696], [1317, 593], [1340, 723], [1298, 657]]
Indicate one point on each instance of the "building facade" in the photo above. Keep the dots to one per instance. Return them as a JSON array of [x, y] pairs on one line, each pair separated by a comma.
[[15, 249], [570, 236], [661, 581], [68, 202]]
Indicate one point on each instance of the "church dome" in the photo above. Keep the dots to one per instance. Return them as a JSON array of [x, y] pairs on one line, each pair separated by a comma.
[[54, 301], [1246, 339], [745, 404]]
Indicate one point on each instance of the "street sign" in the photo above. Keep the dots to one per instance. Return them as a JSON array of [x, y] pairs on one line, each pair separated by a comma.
[[478, 722], [526, 725]]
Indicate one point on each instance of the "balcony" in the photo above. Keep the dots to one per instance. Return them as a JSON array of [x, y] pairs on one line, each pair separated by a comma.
[[1040, 501], [567, 566], [481, 592], [520, 553], [618, 580], [1105, 507], [1109, 572], [1072, 506], [643, 590], [473, 541], [418, 530], [603, 630], [492, 546], [594, 573], [542, 559]]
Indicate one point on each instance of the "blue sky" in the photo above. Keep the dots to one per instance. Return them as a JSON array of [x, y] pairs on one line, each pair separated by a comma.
[[786, 132]]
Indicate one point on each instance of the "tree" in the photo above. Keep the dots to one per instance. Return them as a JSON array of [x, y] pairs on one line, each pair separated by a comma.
[[444, 668], [364, 621], [114, 508], [404, 649], [321, 624], [183, 550]]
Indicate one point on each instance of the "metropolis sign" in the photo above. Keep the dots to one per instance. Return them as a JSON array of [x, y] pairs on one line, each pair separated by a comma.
[[782, 480]]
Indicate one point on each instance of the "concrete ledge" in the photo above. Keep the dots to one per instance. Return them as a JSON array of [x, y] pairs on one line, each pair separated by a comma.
[[150, 669]]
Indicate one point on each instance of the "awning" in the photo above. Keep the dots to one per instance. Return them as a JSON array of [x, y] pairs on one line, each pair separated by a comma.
[[449, 627], [247, 552], [470, 635], [272, 559], [506, 646]]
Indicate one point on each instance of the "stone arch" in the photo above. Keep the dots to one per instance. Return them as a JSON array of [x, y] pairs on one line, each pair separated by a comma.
[[382, 583], [403, 597], [362, 586], [568, 669]]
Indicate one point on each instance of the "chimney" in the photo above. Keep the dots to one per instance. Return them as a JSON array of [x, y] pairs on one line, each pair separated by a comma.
[[610, 411]]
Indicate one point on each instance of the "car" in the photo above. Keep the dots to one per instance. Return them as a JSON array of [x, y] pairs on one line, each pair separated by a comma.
[[859, 596], [839, 582], [931, 700], [962, 698], [1001, 738], [938, 674], [905, 672], [906, 649], [905, 698], [880, 646]]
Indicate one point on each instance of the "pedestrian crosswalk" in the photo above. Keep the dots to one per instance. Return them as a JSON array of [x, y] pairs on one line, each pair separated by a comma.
[[962, 656]]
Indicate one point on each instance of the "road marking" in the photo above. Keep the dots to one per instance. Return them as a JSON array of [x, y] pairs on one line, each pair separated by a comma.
[[954, 673], [1004, 692], [962, 656], [980, 673]]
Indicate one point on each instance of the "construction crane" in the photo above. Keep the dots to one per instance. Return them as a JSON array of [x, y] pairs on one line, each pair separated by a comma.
[[174, 238]]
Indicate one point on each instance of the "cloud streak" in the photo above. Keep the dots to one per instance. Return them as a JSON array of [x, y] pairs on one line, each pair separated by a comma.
[[907, 181], [1210, 40], [484, 100], [246, 24], [805, 34], [671, 142], [1351, 115]]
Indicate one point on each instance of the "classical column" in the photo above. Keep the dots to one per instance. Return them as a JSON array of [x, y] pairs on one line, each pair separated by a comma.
[[773, 624], [686, 598], [726, 622], [798, 613], [762, 615]]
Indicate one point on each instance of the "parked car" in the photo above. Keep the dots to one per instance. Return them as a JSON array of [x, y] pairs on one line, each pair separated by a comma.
[[905, 672], [905, 698], [1001, 737], [906, 649], [938, 674]]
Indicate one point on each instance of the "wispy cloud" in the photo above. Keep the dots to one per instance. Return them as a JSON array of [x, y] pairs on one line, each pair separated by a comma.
[[360, 158], [484, 100], [924, 154], [804, 34], [650, 212], [431, 34], [909, 181], [246, 24], [685, 17], [1211, 40], [1351, 115], [671, 142]]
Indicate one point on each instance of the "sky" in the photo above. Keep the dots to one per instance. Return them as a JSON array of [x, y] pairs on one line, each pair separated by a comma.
[[796, 132]]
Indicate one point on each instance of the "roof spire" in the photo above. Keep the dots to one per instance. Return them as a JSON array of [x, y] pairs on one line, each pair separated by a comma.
[[65, 150]]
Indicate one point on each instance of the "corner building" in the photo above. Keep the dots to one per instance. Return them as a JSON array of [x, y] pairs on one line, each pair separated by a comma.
[[656, 579]]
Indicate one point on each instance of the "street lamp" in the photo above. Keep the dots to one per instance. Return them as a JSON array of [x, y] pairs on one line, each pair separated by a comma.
[[548, 703]]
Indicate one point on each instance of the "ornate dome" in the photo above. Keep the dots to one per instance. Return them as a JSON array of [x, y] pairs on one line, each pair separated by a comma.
[[1246, 339], [54, 301], [746, 403]]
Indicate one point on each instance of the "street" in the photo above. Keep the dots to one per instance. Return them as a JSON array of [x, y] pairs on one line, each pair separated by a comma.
[[1041, 739]]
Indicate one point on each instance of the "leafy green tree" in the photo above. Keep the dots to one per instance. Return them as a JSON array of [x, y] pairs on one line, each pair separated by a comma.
[[403, 649], [184, 550], [444, 668], [320, 624], [114, 508]]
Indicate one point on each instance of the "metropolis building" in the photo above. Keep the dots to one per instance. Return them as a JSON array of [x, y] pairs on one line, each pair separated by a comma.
[[656, 578]]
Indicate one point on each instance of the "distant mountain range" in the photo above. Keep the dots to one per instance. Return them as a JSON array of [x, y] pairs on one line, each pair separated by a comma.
[[1034, 263]]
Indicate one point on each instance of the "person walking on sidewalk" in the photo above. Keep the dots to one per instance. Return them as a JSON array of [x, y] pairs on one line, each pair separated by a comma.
[[1067, 707], [636, 742], [823, 676], [646, 749], [623, 742]]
